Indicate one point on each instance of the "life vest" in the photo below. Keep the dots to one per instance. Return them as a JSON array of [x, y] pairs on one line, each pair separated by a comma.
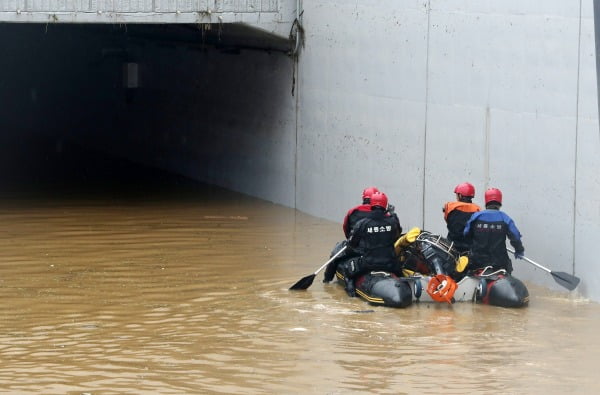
[[457, 214], [354, 215], [462, 206]]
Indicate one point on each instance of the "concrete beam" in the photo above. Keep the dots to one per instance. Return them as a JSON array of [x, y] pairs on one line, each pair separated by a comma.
[[272, 16]]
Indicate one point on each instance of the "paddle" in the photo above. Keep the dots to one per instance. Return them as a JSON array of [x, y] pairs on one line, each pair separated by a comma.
[[307, 281], [567, 280]]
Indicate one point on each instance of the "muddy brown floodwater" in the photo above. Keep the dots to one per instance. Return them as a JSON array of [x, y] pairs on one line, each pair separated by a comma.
[[187, 293]]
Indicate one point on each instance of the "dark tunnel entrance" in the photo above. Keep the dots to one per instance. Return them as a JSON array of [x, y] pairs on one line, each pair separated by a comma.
[[125, 109]]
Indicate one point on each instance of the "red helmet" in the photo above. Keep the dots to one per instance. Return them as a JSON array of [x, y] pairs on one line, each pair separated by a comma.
[[368, 192], [493, 195], [378, 199], [465, 189]]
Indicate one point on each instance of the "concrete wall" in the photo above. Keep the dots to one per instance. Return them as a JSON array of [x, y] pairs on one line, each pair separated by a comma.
[[418, 96], [273, 16], [363, 90], [225, 119]]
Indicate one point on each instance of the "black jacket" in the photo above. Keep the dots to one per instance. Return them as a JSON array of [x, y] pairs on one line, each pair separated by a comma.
[[456, 215], [373, 238]]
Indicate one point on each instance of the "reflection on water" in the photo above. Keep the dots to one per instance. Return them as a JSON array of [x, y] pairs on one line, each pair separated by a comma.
[[188, 294]]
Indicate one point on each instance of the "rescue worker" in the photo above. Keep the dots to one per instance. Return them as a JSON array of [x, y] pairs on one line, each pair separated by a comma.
[[457, 213], [359, 212], [354, 215], [488, 231], [372, 239]]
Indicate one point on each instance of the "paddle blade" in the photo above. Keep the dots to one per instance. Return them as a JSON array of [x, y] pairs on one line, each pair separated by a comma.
[[567, 280], [303, 283]]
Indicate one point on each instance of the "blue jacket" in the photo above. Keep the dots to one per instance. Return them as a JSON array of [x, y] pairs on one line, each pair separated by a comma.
[[487, 232]]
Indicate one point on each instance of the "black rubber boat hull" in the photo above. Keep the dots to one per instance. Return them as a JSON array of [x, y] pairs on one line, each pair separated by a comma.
[[386, 289], [382, 289]]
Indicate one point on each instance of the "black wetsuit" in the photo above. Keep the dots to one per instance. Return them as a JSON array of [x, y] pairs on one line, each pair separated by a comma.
[[373, 239]]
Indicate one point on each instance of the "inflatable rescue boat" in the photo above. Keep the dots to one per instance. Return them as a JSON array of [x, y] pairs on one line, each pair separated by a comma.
[[433, 271]]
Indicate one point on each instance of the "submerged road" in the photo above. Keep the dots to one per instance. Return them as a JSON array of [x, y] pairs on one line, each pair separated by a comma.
[[172, 287]]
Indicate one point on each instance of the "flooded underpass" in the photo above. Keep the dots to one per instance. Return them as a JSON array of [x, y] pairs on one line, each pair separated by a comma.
[[120, 279]]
